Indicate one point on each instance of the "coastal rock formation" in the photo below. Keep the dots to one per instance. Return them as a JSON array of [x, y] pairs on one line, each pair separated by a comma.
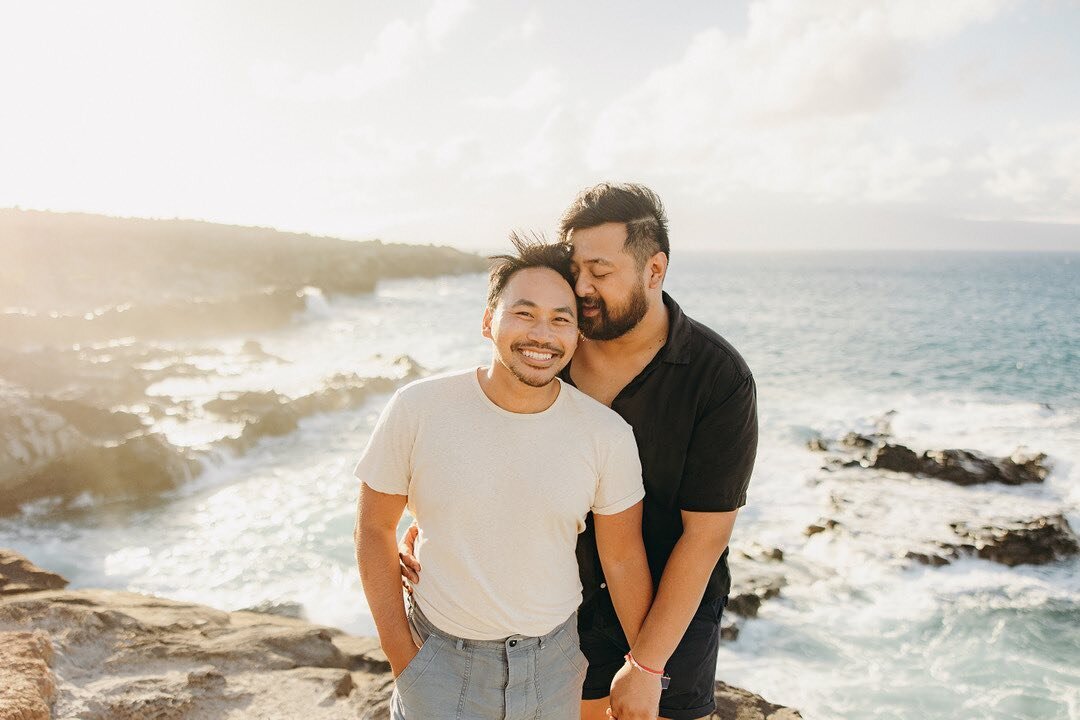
[[19, 575], [962, 467], [750, 591], [68, 448], [123, 655], [180, 278], [27, 686], [1035, 541], [733, 702]]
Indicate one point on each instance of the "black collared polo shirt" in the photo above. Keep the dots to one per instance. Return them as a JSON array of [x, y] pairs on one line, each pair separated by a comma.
[[693, 409]]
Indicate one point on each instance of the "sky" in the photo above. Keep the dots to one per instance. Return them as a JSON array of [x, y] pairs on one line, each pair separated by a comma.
[[764, 125]]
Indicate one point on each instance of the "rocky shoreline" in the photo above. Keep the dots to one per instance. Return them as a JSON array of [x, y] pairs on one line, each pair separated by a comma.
[[94, 311], [112, 655]]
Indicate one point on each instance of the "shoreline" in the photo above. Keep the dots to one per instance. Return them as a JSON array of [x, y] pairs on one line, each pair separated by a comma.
[[111, 654]]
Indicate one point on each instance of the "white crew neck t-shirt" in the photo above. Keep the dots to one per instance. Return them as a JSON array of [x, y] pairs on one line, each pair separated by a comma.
[[500, 498]]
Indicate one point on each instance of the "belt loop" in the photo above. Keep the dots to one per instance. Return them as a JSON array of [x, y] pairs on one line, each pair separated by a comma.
[[460, 644]]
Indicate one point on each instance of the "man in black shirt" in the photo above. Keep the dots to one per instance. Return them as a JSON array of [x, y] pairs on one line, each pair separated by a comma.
[[692, 403]]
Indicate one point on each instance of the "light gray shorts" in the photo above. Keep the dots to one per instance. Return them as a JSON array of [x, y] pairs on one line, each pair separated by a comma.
[[517, 678]]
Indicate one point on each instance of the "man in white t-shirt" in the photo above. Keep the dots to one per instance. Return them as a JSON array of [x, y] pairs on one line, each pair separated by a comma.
[[500, 466]]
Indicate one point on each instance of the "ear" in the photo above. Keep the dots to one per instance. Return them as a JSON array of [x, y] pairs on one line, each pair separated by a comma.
[[656, 270], [485, 327]]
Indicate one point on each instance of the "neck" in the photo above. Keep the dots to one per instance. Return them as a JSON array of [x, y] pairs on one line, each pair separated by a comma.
[[648, 336], [504, 389]]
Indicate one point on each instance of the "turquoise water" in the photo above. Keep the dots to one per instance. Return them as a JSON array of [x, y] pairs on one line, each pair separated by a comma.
[[970, 350]]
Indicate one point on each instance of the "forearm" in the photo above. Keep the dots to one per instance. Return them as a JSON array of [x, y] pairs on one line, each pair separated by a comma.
[[377, 556], [630, 584], [678, 596]]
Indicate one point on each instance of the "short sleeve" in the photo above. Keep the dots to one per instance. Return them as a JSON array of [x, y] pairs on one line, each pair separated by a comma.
[[619, 486], [721, 455], [386, 464]]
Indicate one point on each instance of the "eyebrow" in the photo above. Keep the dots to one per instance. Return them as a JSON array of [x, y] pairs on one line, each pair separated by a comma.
[[598, 261], [529, 303]]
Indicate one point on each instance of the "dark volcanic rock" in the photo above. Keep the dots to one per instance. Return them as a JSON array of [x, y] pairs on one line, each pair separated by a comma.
[[821, 526], [896, 458], [734, 703], [966, 467], [1036, 541], [19, 575], [752, 590]]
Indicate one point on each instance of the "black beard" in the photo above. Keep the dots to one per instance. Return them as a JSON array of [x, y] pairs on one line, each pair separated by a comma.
[[609, 325]]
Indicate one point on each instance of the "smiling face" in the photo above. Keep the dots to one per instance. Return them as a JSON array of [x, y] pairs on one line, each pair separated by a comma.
[[610, 285], [533, 326]]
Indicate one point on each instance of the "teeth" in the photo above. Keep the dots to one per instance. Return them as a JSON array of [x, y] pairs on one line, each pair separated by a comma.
[[536, 355]]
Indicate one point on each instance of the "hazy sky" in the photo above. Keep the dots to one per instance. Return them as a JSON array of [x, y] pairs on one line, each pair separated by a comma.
[[772, 123]]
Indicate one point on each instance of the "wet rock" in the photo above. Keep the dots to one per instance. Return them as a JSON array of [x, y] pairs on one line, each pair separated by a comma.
[[94, 422], [19, 575], [750, 591], [945, 556], [247, 405], [27, 686], [733, 702], [729, 629], [745, 604], [821, 526], [136, 467], [896, 458], [817, 444], [285, 608], [1035, 541], [759, 552], [967, 467], [856, 441]]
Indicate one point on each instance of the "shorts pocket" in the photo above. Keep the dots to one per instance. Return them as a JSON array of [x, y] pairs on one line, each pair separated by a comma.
[[570, 646], [416, 667]]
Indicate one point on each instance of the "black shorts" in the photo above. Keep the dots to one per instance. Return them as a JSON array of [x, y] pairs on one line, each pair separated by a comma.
[[692, 666]]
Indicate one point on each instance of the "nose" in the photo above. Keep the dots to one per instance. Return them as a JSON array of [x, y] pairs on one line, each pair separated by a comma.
[[541, 331], [582, 286]]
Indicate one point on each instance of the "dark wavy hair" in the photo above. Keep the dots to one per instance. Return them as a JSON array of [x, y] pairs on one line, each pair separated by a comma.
[[532, 251], [635, 205]]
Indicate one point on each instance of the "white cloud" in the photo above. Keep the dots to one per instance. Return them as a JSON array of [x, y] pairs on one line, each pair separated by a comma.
[[541, 89], [795, 107], [443, 17], [386, 60]]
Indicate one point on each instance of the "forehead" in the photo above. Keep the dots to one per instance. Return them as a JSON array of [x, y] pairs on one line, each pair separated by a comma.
[[542, 286], [603, 242]]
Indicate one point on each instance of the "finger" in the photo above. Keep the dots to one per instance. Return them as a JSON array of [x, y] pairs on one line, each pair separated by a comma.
[[409, 560], [407, 586], [409, 572]]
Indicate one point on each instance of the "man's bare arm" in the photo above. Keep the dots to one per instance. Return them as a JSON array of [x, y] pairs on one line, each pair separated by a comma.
[[377, 516], [704, 539], [622, 555]]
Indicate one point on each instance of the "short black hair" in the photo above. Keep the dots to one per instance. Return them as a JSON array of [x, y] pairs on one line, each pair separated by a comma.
[[533, 251], [635, 205]]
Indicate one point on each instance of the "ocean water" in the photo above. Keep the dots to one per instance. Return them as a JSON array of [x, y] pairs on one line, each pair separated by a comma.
[[979, 351]]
